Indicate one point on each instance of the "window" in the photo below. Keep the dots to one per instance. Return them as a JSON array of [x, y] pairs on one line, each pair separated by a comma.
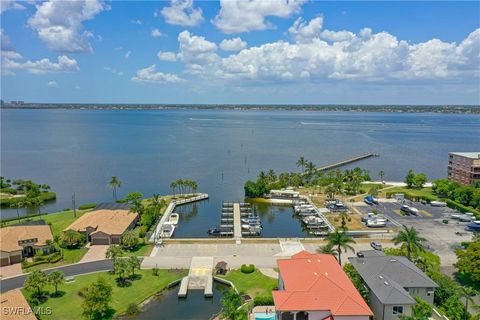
[[397, 310], [429, 292]]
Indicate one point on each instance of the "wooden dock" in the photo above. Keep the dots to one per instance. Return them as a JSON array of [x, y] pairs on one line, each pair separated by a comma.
[[347, 161], [166, 215], [237, 224]]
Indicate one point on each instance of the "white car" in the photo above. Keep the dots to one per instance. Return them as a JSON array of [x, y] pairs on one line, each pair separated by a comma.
[[376, 245]]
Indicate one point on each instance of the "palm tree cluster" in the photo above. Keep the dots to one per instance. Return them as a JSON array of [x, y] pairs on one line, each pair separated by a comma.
[[307, 166], [37, 280], [183, 186], [410, 240]]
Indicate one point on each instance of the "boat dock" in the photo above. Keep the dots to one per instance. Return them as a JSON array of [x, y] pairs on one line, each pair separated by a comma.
[[199, 277], [156, 236], [237, 224], [347, 161]]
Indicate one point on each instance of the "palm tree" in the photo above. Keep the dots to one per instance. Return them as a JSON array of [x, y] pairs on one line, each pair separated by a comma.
[[114, 252], [36, 281], [114, 184], [271, 176], [173, 186], [327, 249], [381, 174], [301, 163], [468, 294], [262, 176], [55, 278], [17, 205], [341, 241], [310, 167], [410, 240], [157, 202]]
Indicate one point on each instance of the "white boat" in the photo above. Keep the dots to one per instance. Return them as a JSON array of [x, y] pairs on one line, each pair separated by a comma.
[[376, 223], [251, 228], [438, 204], [455, 216], [167, 230], [173, 219]]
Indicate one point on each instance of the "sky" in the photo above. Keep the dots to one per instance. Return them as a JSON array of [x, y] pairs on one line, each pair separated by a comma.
[[241, 52]]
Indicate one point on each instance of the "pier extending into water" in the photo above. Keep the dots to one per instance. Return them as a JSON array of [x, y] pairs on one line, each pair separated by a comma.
[[166, 215], [237, 224], [347, 161]]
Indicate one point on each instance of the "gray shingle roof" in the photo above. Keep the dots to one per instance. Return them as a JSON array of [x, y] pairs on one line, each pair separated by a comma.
[[387, 276]]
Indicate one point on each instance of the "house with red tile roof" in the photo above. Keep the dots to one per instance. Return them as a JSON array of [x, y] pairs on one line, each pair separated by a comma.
[[314, 286]]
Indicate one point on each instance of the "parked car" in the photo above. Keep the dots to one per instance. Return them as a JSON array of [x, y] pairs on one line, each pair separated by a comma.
[[376, 245], [360, 254], [405, 209]]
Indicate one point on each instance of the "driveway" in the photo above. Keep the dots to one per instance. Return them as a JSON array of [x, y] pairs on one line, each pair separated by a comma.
[[95, 253], [11, 270]]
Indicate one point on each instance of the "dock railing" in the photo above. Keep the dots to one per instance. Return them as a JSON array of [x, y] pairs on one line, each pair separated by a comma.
[[155, 236]]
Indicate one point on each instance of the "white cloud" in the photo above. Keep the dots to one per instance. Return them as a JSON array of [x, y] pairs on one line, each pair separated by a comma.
[[337, 36], [77, 88], [113, 71], [234, 44], [10, 5], [43, 66], [59, 24], [195, 49], [343, 55], [156, 33], [127, 54], [138, 22], [242, 16], [301, 30], [182, 12], [167, 56], [151, 75], [52, 84]]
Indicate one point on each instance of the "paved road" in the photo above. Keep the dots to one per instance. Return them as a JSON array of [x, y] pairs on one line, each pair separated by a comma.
[[70, 270]]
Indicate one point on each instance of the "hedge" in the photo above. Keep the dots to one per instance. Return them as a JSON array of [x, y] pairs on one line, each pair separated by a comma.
[[247, 269], [462, 208], [44, 196], [55, 257], [263, 301], [87, 206], [411, 196]]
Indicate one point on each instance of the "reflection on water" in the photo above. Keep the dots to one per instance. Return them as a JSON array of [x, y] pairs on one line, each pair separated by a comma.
[[194, 307]]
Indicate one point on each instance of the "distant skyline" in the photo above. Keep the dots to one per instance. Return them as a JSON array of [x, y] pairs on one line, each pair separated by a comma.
[[241, 52]]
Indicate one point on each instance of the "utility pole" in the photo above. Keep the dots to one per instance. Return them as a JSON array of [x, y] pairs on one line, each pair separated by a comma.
[[73, 205]]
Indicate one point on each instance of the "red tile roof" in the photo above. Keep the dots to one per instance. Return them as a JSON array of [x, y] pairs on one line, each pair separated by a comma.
[[316, 282]]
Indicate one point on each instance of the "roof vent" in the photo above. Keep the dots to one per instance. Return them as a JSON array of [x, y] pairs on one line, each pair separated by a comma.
[[326, 273], [318, 260], [386, 283], [393, 260], [315, 273], [308, 260], [381, 277]]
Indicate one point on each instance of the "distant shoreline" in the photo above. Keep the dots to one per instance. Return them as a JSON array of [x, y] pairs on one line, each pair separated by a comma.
[[458, 109]]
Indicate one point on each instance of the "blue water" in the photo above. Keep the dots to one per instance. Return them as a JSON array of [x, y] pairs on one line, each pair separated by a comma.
[[264, 316], [77, 151]]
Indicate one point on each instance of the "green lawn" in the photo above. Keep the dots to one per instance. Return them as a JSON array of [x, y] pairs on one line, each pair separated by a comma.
[[142, 249], [254, 284], [69, 306], [423, 192]]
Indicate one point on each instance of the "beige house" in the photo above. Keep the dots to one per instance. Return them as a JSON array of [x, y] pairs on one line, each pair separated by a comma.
[[105, 226], [14, 306], [17, 242]]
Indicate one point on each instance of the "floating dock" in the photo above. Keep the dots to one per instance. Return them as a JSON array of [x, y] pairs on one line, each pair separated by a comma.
[[347, 161]]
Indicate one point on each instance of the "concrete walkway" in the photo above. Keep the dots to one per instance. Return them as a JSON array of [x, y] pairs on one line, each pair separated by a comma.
[[269, 272], [95, 253]]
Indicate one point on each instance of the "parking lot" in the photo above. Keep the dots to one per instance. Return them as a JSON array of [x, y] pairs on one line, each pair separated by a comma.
[[443, 239]]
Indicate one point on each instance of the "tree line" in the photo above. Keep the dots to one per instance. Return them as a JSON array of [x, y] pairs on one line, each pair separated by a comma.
[[335, 181]]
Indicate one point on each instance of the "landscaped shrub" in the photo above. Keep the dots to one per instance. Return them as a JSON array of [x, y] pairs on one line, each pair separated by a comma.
[[263, 301], [87, 206], [247, 269], [155, 271], [132, 309], [460, 207]]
